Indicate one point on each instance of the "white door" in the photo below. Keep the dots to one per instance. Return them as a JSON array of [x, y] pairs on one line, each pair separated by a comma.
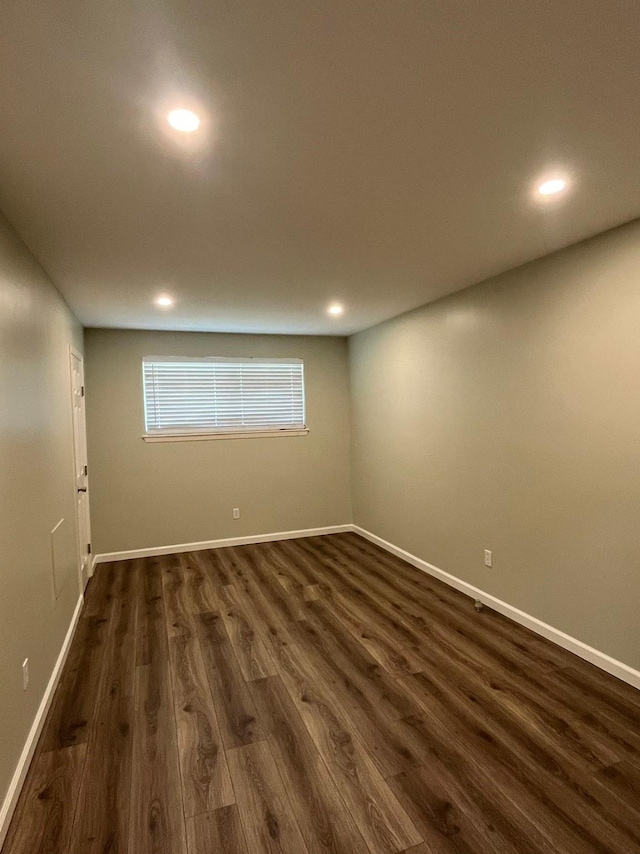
[[81, 468]]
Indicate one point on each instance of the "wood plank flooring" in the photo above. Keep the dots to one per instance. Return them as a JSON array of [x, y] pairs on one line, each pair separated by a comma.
[[321, 696]]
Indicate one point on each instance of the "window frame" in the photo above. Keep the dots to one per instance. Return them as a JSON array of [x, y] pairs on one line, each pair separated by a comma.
[[207, 434]]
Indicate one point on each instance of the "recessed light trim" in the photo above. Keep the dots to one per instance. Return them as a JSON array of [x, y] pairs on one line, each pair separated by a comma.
[[335, 309], [164, 301], [552, 186], [183, 120]]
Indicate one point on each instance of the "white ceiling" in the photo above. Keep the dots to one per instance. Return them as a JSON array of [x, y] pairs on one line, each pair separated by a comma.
[[376, 152]]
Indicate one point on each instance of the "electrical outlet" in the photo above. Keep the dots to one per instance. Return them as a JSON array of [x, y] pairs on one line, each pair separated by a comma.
[[25, 674], [236, 512], [488, 558]]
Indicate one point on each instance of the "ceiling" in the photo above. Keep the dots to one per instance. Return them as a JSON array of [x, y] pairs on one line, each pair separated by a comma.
[[379, 153]]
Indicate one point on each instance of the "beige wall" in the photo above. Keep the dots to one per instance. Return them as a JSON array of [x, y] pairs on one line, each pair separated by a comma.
[[145, 495], [507, 417], [36, 488]]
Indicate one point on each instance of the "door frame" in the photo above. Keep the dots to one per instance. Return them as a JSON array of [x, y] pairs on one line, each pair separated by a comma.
[[75, 353]]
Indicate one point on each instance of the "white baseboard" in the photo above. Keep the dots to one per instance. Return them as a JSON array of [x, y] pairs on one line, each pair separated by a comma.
[[588, 653], [15, 787], [221, 544]]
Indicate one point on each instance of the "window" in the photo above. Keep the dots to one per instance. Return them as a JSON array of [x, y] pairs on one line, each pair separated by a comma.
[[198, 398]]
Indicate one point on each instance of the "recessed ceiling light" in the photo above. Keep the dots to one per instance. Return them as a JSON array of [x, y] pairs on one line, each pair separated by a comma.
[[183, 120], [335, 309], [552, 186], [164, 302]]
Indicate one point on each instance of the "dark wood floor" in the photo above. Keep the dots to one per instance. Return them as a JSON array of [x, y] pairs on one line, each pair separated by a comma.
[[318, 696]]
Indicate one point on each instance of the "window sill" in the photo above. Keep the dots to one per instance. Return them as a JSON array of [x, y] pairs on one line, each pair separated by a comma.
[[205, 437]]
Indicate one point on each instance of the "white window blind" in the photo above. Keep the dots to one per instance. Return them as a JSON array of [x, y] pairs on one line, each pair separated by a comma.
[[222, 395]]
